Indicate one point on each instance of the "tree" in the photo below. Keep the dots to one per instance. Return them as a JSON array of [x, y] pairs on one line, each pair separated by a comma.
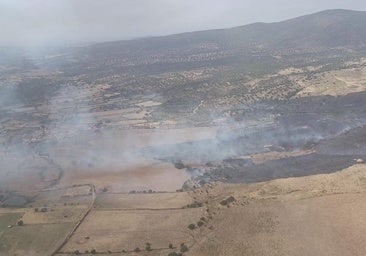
[[228, 200], [184, 248], [20, 223], [170, 246], [179, 165], [192, 226], [148, 247], [200, 223]]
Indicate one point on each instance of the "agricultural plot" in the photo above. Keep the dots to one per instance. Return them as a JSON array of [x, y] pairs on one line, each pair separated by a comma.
[[33, 239], [144, 201], [105, 230]]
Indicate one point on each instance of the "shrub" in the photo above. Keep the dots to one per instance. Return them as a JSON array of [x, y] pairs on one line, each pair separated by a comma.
[[200, 223], [20, 223], [195, 204], [228, 200], [148, 247], [179, 165], [192, 226], [170, 246], [184, 248]]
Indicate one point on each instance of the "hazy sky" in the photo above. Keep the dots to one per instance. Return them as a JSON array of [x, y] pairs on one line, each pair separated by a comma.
[[33, 22]]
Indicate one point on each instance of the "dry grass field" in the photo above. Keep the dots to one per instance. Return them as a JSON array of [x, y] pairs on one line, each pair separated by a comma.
[[118, 230], [33, 240], [143, 201], [147, 175], [46, 222], [54, 216], [334, 83], [314, 215], [329, 225], [38, 236]]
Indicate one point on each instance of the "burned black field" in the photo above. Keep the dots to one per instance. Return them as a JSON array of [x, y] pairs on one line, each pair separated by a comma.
[[331, 130]]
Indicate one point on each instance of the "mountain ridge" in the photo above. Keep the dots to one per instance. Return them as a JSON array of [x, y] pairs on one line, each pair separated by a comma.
[[329, 28]]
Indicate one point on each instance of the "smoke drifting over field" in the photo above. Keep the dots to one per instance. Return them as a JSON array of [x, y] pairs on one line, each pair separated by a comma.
[[191, 103], [71, 138]]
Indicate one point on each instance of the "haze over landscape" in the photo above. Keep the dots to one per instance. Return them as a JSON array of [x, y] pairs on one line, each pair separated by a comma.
[[176, 128], [74, 21]]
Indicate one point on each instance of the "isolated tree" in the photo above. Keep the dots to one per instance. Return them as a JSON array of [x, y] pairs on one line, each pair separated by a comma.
[[184, 248], [200, 223], [192, 226], [20, 223], [148, 247], [170, 246]]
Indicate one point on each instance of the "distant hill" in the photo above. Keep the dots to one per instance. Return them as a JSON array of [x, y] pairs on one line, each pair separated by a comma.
[[327, 38], [323, 30]]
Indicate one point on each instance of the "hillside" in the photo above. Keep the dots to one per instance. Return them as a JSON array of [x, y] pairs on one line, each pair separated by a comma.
[[319, 31]]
